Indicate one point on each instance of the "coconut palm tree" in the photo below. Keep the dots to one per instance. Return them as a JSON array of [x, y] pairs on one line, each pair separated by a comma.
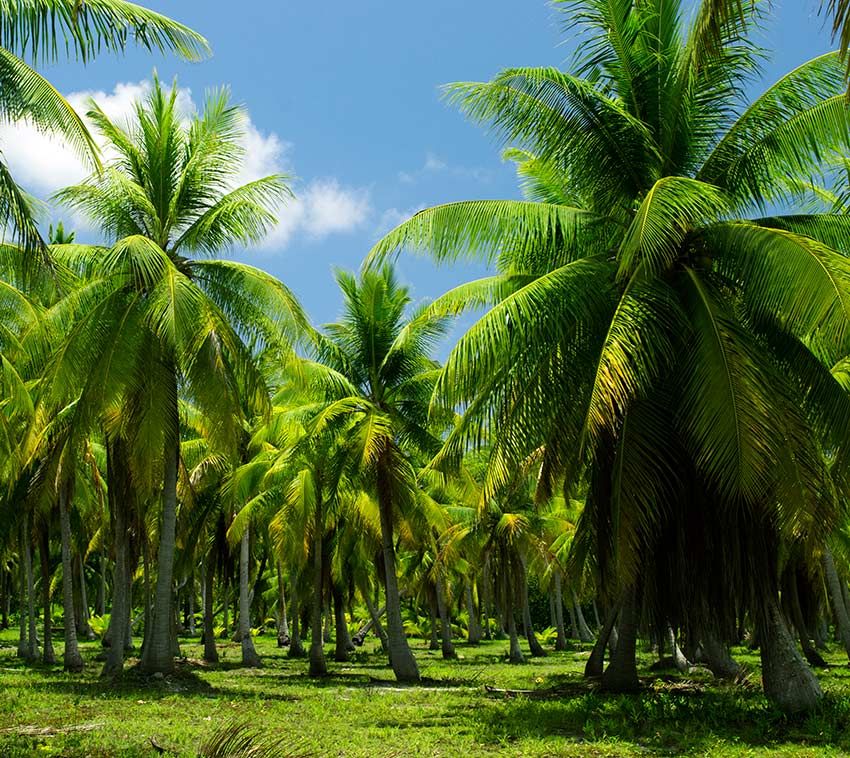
[[376, 391], [150, 322], [646, 302], [45, 31]]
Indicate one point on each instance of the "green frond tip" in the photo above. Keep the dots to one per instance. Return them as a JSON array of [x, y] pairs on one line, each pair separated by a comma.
[[46, 29], [238, 740]]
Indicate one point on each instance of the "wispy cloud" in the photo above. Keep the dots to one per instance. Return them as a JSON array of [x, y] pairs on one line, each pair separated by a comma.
[[392, 217], [434, 165]]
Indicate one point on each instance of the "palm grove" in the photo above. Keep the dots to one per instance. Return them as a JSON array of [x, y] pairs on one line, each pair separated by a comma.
[[646, 431]]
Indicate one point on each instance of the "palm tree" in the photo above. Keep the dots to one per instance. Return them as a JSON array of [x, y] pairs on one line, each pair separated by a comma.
[[646, 305], [377, 386], [150, 322], [45, 31]]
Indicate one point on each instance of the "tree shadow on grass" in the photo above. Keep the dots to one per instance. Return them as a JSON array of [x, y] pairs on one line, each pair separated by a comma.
[[678, 718]]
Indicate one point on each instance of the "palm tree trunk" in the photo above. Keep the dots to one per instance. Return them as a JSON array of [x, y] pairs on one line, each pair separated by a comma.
[[401, 658], [596, 663], [72, 660], [318, 664], [210, 650], [119, 493], [584, 633], [249, 653], [434, 638], [447, 645], [621, 674], [32, 626], [47, 655], [282, 621], [341, 638], [23, 650], [792, 599], [788, 682], [679, 660], [100, 600], [558, 602], [474, 628], [573, 623], [86, 629], [190, 588], [375, 617], [296, 647], [717, 656], [534, 645], [147, 610], [836, 600], [158, 655]]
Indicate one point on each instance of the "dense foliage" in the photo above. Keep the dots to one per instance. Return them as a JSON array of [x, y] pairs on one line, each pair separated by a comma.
[[644, 436]]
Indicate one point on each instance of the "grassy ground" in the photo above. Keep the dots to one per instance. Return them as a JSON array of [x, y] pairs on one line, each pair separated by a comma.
[[360, 711]]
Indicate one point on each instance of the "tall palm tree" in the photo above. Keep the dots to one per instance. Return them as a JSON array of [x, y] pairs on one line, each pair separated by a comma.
[[44, 31], [645, 301], [377, 387], [150, 321]]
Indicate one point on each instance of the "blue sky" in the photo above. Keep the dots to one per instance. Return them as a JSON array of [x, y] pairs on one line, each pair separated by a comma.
[[345, 95]]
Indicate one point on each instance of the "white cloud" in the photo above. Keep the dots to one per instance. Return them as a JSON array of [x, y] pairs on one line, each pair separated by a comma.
[[320, 209], [44, 164], [392, 217]]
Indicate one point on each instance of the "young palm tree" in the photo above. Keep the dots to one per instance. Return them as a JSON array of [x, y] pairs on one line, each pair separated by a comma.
[[644, 301], [151, 322], [44, 31]]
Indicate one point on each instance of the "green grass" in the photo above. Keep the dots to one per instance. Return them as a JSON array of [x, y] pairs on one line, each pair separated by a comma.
[[358, 710]]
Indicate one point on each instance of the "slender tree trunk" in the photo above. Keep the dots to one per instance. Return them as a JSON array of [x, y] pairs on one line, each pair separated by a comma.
[[341, 639], [534, 645], [158, 655], [793, 599], [485, 591], [401, 658], [788, 682], [249, 653], [573, 623], [836, 600], [318, 664], [47, 656], [621, 674], [86, 631], [474, 628], [375, 617], [282, 621], [446, 643], [119, 493], [71, 660], [32, 626], [147, 609], [210, 650], [23, 648], [584, 633], [225, 609], [190, 588], [100, 600], [296, 647], [596, 663], [558, 601], [434, 639]]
